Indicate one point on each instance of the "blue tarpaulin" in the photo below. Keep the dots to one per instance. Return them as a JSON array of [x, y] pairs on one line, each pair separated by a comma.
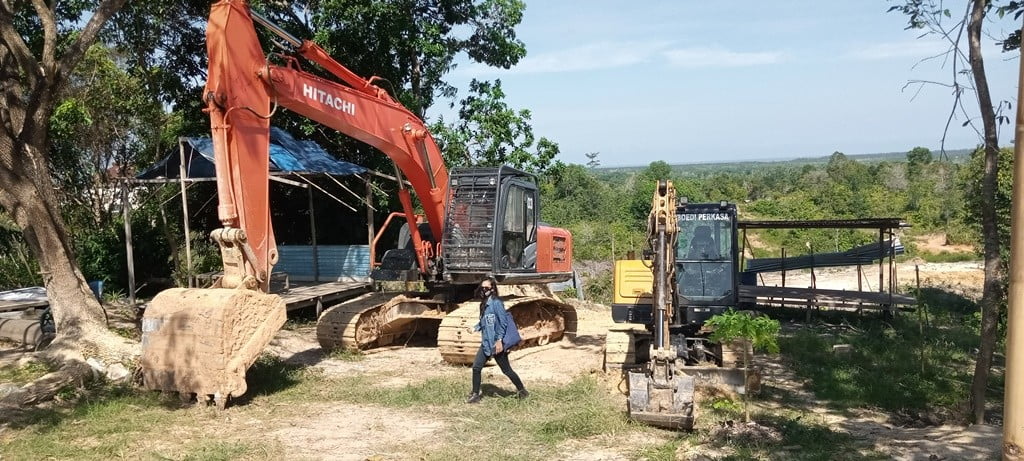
[[287, 154]]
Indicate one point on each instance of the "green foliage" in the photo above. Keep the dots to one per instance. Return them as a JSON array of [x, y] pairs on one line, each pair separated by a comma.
[[969, 182], [917, 158], [726, 406], [885, 369], [23, 374], [488, 132], [761, 331], [347, 355]]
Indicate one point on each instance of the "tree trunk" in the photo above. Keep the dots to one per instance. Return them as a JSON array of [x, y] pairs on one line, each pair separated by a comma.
[[29, 198], [991, 294]]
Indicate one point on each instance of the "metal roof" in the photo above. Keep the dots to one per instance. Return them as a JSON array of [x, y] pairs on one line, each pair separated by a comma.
[[861, 223]]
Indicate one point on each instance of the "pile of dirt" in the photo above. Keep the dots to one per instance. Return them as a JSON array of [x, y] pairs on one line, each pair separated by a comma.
[[745, 433]]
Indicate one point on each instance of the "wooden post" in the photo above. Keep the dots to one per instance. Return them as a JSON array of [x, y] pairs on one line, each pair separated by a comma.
[[881, 259], [312, 232], [783, 267], [892, 270], [1013, 390], [743, 251], [923, 307], [370, 231], [920, 317], [814, 282], [182, 174], [860, 287], [126, 206]]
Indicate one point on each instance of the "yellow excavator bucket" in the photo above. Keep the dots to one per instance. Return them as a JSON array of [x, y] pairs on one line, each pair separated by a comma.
[[202, 341]]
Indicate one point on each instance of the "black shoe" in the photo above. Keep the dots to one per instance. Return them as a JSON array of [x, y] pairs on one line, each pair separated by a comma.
[[522, 394], [474, 397]]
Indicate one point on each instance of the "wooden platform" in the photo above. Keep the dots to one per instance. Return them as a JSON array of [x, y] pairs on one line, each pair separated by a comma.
[[7, 306], [819, 297], [321, 294], [23, 298]]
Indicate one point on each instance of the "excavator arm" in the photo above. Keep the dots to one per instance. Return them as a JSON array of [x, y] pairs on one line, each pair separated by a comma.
[[243, 85], [240, 124]]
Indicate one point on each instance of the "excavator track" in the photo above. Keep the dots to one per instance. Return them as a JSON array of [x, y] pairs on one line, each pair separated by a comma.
[[380, 319], [377, 319], [541, 319]]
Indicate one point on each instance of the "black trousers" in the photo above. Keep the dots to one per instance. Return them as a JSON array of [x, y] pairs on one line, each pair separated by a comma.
[[502, 359]]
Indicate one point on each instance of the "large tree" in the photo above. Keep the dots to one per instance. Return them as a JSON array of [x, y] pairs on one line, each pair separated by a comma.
[[40, 45], [488, 132], [954, 27]]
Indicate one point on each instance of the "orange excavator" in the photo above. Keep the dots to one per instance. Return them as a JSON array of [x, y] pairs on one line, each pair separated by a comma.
[[476, 222]]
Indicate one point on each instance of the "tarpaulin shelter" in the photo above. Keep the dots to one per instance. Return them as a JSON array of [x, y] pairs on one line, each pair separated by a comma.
[[287, 156], [290, 159]]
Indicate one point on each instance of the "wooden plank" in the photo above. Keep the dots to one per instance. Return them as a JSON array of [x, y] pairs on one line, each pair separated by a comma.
[[6, 306], [324, 293], [836, 299], [824, 294]]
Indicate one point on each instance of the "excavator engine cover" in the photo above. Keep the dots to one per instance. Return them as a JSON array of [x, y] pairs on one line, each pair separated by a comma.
[[202, 341]]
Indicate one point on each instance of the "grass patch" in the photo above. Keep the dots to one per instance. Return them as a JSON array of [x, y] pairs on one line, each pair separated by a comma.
[[347, 355], [366, 389], [947, 256], [509, 428], [662, 452], [124, 423], [224, 450], [23, 374], [885, 370]]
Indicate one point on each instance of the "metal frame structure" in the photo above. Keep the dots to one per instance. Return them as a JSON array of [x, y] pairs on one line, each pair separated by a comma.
[[834, 298]]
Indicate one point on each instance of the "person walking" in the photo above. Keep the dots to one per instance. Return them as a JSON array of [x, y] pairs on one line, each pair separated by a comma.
[[492, 325]]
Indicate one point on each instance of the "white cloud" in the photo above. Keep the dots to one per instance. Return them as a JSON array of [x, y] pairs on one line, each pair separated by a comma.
[[891, 50], [696, 57], [601, 55]]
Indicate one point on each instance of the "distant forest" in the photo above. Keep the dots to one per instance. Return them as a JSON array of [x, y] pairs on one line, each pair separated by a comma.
[[606, 208]]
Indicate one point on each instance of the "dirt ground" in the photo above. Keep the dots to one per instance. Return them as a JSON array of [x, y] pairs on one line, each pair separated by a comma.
[[962, 278], [562, 361], [354, 432]]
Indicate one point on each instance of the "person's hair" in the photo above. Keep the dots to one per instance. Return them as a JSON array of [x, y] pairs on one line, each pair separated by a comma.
[[494, 292]]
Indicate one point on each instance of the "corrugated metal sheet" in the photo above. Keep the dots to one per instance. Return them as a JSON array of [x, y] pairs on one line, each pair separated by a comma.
[[864, 254], [337, 262]]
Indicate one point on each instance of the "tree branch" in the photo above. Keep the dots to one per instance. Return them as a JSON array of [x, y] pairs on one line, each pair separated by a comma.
[[16, 45], [86, 37], [46, 17]]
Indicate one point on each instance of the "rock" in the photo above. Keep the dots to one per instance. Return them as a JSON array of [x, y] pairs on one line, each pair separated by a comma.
[[26, 361], [98, 368], [842, 349], [118, 373], [8, 389]]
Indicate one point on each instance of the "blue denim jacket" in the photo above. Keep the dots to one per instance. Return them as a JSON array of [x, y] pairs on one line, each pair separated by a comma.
[[492, 324]]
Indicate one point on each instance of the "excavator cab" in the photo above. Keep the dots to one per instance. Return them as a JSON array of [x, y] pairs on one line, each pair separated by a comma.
[[492, 226], [706, 259]]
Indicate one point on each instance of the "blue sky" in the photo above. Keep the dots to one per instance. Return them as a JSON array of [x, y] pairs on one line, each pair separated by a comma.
[[685, 81]]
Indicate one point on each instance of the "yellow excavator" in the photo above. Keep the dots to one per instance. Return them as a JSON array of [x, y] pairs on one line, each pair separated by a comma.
[[687, 275]]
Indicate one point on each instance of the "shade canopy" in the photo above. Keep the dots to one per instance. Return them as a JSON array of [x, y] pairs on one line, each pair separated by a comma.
[[287, 155]]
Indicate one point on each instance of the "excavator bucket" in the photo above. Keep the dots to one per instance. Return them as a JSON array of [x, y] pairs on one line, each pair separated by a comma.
[[202, 341], [667, 404]]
